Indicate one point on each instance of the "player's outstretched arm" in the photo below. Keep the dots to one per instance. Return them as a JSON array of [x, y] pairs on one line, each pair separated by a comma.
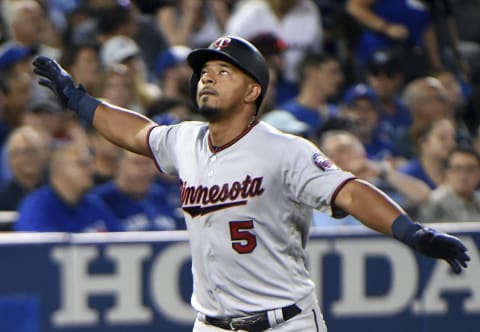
[[377, 211], [122, 127]]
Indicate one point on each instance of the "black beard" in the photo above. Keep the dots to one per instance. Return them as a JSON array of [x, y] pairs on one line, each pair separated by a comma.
[[210, 113]]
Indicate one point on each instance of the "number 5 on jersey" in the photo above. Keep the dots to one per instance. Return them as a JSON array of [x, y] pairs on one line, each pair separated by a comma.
[[243, 240]]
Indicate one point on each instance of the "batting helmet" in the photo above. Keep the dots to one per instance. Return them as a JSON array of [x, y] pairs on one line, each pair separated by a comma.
[[236, 51]]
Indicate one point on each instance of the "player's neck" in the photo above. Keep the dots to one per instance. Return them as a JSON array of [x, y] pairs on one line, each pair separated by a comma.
[[223, 132]]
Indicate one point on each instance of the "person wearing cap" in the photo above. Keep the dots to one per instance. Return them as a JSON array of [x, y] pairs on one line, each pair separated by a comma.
[[361, 107], [248, 192], [173, 72], [386, 78], [286, 122], [122, 50], [17, 58]]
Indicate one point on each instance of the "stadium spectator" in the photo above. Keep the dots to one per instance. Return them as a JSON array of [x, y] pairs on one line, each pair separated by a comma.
[[458, 97], [194, 23], [458, 199], [106, 157], [173, 73], [297, 22], [55, 125], [286, 122], [320, 78], [125, 51], [404, 24], [272, 49], [427, 100], [362, 108], [17, 92], [348, 153], [385, 76], [135, 199], [27, 158], [434, 144], [16, 58], [122, 18], [64, 205], [83, 61], [118, 85], [28, 25]]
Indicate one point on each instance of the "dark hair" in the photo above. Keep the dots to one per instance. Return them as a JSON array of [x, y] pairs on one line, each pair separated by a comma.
[[70, 54], [464, 149], [312, 59], [110, 18]]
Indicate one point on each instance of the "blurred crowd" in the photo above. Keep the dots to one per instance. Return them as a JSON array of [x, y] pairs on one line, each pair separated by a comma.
[[388, 89]]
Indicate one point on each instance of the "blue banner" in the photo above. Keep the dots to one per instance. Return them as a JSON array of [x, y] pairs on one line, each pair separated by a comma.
[[142, 282]]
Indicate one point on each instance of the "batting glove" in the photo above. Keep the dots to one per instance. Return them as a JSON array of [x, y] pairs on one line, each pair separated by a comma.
[[54, 77], [431, 243]]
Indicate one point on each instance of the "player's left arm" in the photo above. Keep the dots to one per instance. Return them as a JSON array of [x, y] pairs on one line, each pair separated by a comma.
[[377, 211]]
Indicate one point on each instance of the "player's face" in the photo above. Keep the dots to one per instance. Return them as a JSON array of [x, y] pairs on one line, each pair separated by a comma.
[[222, 89]]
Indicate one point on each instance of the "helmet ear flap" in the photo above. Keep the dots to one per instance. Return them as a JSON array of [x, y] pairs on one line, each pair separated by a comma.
[[193, 87]]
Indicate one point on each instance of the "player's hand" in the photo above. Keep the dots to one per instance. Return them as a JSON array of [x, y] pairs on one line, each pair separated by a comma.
[[54, 77], [440, 245]]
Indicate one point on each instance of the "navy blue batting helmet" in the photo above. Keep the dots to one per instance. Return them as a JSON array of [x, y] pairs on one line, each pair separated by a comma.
[[237, 51]]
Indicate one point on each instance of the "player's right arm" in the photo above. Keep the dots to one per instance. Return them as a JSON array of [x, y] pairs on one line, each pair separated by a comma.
[[122, 127]]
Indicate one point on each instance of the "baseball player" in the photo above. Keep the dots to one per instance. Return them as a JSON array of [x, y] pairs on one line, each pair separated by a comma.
[[248, 192]]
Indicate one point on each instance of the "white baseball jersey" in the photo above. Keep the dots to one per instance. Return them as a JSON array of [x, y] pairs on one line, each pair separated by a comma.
[[248, 208]]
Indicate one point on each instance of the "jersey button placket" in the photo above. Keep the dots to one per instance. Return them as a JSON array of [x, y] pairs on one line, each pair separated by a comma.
[[212, 158]]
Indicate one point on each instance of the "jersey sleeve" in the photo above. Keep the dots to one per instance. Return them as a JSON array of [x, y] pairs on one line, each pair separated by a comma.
[[312, 178], [162, 140]]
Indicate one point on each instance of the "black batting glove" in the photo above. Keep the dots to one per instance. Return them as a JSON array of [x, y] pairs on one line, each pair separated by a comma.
[[431, 243], [54, 77]]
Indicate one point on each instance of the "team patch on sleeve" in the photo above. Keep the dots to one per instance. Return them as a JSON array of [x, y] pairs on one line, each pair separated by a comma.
[[323, 162]]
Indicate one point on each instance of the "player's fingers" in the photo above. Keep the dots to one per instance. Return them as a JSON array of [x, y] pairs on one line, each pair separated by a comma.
[[39, 71], [46, 83], [454, 265], [459, 254]]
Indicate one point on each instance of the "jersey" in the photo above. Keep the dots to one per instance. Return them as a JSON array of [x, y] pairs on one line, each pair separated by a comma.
[[44, 211], [248, 208], [149, 213]]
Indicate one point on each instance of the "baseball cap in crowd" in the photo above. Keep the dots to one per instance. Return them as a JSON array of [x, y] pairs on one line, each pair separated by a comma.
[[359, 91], [118, 49], [11, 53], [269, 44], [285, 121], [171, 57], [386, 61]]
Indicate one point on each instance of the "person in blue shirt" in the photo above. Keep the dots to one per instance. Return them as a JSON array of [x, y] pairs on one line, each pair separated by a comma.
[[347, 152], [385, 76], [65, 205], [135, 198], [434, 145], [362, 108], [320, 77], [405, 24]]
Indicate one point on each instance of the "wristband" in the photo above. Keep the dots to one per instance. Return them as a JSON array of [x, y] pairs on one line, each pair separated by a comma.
[[83, 104], [403, 229]]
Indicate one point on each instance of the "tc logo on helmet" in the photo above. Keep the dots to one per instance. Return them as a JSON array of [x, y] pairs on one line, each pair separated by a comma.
[[222, 43]]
